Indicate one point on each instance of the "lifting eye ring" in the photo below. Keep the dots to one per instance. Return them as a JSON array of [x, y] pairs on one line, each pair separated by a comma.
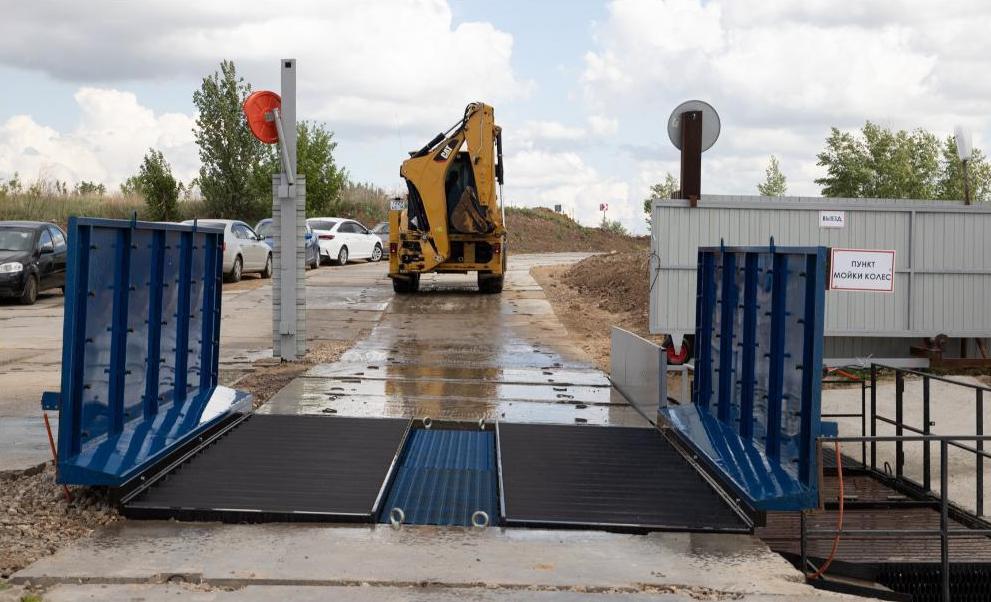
[[480, 519], [427, 423], [396, 517], [481, 424]]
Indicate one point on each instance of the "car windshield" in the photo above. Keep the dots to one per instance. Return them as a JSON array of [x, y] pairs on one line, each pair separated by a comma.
[[16, 239], [323, 225], [382, 228], [264, 229]]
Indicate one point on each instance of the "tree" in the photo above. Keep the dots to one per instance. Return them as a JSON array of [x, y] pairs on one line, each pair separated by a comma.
[[315, 160], [660, 191], [775, 183], [86, 188], [613, 226], [131, 186], [159, 187], [950, 185], [13, 185], [881, 163], [231, 177]]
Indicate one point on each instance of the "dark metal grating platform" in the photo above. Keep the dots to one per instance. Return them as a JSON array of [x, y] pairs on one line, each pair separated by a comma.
[[606, 477], [285, 468], [444, 477]]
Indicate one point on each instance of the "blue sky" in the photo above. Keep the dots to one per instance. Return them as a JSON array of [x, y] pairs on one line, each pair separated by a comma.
[[582, 89]]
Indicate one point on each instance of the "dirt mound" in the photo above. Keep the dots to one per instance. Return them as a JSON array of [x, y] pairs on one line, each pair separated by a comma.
[[541, 230], [618, 283]]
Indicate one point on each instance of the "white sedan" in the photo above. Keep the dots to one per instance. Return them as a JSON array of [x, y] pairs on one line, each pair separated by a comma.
[[244, 250], [342, 240]]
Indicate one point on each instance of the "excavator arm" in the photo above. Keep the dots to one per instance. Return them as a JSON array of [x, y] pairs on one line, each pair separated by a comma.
[[452, 186]]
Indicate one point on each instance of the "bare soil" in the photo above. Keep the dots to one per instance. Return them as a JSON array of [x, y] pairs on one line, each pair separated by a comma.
[[541, 230], [597, 293]]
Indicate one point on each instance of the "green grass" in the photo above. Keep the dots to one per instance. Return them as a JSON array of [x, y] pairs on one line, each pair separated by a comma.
[[31, 598]]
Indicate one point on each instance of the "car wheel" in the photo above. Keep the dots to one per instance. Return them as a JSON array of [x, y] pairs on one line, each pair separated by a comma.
[[267, 272], [30, 294], [377, 253], [235, 273], [342, 256]]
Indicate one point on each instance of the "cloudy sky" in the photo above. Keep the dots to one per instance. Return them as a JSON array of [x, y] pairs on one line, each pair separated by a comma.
[[582, 89]]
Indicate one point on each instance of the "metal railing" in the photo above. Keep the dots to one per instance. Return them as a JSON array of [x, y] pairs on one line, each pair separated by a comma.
[[908, 433], [944, 532], [925, 429], [843, 376]]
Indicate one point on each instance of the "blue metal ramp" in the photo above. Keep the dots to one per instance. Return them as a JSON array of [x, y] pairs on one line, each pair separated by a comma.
[[140, 348], [755, 411], [445, 477]]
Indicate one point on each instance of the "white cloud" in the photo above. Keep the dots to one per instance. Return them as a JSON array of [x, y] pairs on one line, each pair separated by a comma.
[[542, 178], [600, 125], [365, 65], [107, 145], [781, 73]]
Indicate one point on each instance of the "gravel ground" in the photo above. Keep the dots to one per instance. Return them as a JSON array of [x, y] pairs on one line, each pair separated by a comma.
[[36, 520]]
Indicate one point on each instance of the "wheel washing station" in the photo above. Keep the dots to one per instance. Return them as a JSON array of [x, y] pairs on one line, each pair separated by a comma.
[[142, 412]]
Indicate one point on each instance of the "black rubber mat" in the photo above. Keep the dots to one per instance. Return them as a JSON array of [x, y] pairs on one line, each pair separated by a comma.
[[605, 477], [281, 468]]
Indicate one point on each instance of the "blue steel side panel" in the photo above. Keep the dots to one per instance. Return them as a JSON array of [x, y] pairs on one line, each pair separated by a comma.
[[443, 477], [140, 345], [758, 352]]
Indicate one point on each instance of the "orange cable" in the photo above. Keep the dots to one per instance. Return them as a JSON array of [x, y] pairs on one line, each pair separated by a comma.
[[839, 522], [51, 443]]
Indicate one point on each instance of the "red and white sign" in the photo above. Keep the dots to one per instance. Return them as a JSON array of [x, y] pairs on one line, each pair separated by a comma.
[[862, 270], [603, 206]]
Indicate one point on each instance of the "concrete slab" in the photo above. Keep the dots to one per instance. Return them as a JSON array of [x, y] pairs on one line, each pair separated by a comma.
[[25, 443], [363, 593], [294, 555]]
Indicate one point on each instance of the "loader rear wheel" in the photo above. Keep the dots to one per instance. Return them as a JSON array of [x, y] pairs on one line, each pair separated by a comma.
[[403, 286], [488, 284]]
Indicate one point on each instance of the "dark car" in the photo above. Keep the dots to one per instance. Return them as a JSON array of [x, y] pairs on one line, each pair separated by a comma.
[[382, 231], [32, 259], [264, 229]]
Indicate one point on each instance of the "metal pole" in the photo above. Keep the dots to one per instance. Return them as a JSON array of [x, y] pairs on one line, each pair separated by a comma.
[[691, 156], [802, 543], [899, 420], [873, 416], [980, 456], [926, 429], [288, 245], [944, 519], [966, 184]]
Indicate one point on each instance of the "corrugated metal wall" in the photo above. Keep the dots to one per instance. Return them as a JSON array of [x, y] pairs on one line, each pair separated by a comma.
[[943, 259]]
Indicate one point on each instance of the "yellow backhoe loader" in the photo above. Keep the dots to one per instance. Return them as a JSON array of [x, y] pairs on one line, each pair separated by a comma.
[[453, 221]]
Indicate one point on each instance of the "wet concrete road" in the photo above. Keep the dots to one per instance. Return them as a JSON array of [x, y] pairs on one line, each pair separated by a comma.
[[450, 353]]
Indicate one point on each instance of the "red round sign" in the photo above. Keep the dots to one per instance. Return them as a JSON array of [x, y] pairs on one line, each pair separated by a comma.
[[256, 106]]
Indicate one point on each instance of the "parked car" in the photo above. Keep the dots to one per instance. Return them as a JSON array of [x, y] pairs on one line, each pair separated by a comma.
[[264, 229], [32, 259], [244, 250], [381, 229], [342, 240]]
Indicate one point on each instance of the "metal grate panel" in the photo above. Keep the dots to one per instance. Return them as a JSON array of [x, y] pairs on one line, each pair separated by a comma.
[[609, 477], [275, 467], [444, 477]]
